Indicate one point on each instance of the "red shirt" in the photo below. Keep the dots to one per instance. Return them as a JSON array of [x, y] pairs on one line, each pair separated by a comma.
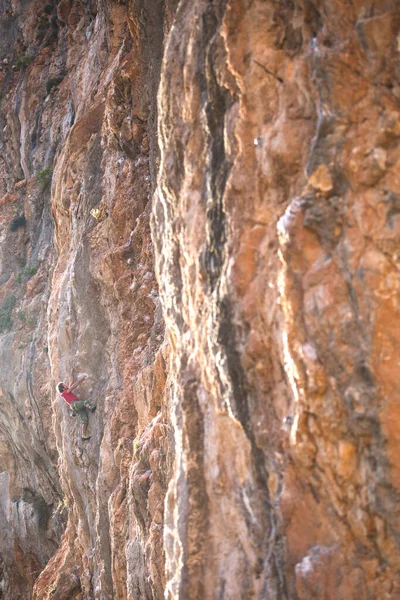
[[69, 397]]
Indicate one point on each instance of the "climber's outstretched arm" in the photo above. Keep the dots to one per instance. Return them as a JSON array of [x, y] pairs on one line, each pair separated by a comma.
[[75, 385], [71, 379]]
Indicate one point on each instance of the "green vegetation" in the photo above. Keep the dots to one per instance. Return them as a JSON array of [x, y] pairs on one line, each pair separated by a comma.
[[27, 272], [20, 346], [31, 271], [6, 308], [43, 177], [47, 27], [52, 35], [23, 60], [41, 31], [54, 82], [17, 222], [21, 316]]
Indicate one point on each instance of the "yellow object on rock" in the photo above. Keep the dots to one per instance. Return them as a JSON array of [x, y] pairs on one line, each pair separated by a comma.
[[96, 213]]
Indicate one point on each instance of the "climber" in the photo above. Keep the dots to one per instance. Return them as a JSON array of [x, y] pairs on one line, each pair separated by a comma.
[[78, 407]]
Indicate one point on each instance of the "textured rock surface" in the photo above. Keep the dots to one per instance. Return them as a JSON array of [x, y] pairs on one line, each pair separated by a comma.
[[78, 125], [253, 452], [277, 237]]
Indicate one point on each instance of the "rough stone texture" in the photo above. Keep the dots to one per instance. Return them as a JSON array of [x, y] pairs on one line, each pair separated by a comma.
[[253, 452], [277, 240], [78, 114]]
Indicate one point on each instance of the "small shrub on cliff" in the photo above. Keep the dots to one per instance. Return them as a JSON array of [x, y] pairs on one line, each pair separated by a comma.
[[23, 60], [54, 82], [17, 222], [31, 271], [41, 32], [6, 309], [52, 36], [28, 272], [44, 177]]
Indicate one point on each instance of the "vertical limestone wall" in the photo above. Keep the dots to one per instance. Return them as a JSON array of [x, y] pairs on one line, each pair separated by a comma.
[[277, 242], [78, 110], [199, 209]]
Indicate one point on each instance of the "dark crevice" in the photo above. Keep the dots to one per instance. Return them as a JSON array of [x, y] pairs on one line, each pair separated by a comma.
[[217, 100], [271, 544], [196, 522]]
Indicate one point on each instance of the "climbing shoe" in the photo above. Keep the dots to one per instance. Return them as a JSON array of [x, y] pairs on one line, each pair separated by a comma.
[[92, 409], [86, 437], [72, 413]]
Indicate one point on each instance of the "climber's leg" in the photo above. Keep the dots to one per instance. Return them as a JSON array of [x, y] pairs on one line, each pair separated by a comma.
[[82, 412], [85, 436], [90, 406]]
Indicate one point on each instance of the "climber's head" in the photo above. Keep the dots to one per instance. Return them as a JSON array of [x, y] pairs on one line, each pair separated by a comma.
[[60, 387]]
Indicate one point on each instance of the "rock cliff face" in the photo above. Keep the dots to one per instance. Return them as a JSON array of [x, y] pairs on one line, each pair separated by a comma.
[[200, 210], [79, 294]]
